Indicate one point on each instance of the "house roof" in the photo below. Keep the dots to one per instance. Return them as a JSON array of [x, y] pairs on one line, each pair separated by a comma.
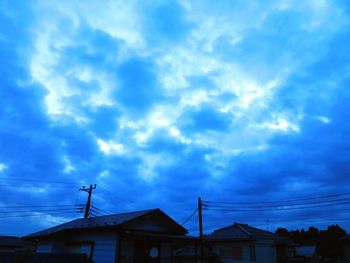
[[244, 232], [115, 220]]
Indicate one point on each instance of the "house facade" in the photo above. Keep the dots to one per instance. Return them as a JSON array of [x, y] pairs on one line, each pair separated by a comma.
[[243, 243], [12, 244], [346, 248], [142, 236]]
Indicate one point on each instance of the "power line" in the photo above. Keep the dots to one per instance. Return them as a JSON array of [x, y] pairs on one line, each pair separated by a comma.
[[281, 205], [92, 209], [92, 213], [278, 209], [39, 211], [277, 220], [38, 214], [279, 201], [42, 181], [35, 206], [195, 211], [121, 201], [98, 209]]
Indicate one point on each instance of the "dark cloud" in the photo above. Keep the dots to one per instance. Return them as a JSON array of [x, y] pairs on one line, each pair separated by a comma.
[[39, 146], [92, 47], [103, 121], [139, 86], [161, 141], [203, 119], [166, 23]]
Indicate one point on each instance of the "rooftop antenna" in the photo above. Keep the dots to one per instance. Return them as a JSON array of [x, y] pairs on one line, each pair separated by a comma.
[[267, 224]]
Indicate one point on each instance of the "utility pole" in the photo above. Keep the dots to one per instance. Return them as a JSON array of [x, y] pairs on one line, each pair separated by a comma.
[[200, 229], [88, 203]]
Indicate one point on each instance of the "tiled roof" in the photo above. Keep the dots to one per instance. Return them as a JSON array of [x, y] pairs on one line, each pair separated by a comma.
[[93, 222], [244, 232], [230, 232]]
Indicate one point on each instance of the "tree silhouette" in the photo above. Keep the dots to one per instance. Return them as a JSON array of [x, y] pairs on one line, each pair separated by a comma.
[[328, 242]]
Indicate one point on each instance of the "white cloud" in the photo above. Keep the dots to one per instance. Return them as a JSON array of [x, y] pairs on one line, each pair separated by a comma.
[[104, 173], [323, 119], [3, 167], [69, 167], [102, 176], [117, 20], [279, 124], [176, 133], [111, 147], [151, 163], [241, 85]]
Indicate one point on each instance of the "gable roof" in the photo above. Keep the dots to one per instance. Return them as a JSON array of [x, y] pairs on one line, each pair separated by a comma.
[[244, 232], [100, 222]]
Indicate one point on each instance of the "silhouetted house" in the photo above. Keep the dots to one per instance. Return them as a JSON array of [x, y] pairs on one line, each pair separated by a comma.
[[13, 244], [243, 243], [346, 247], [142, 236]]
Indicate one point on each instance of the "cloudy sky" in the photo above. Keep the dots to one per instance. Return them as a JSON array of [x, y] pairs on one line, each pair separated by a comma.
[[160, 102]]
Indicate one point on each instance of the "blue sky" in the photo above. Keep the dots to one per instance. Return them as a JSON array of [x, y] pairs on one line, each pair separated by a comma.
[[160, 102]]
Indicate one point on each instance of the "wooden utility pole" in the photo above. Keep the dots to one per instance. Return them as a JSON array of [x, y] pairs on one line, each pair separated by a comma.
[[200, 229], [88, 203]]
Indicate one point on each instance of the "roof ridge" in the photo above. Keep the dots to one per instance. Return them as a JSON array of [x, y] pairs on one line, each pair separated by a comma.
[[115, 220], [86, 220], [262, 230], [243, 229], [222, 228], [133, 212]]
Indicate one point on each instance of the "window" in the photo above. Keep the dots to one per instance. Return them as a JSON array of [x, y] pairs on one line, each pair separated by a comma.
[[252, 253], [86, 247]]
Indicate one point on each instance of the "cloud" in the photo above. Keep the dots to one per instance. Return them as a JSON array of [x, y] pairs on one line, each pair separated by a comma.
[[170, 101], [138, 85], [3, 167]]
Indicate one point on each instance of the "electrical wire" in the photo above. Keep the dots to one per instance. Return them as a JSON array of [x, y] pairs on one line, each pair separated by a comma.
[[120, 200], [38, 214], [95, 212], [333, 201], [98, 209], [279, 201], [24, 179], [36, 206], [92, 214], [38, 211], [195, 211], [281, 205], [278, 209]]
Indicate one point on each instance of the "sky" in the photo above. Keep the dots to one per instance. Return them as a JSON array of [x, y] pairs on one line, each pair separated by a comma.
[[161, 102]]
